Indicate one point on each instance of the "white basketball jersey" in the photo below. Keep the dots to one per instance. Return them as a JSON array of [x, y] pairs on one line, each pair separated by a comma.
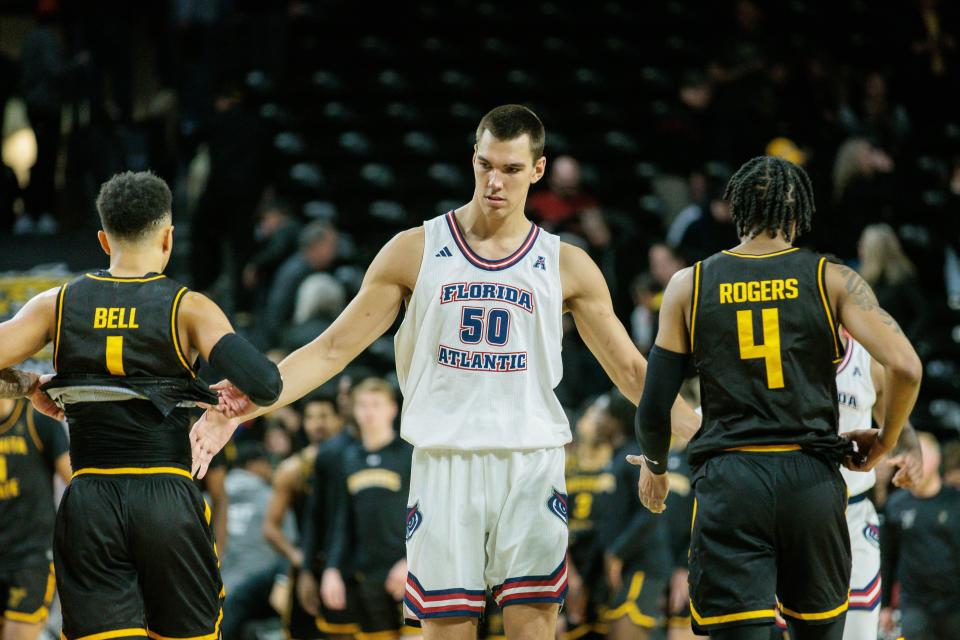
[[478, 353], [856, 395]]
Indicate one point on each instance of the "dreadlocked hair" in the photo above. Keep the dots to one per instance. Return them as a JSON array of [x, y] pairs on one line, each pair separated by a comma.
[[769, 194]]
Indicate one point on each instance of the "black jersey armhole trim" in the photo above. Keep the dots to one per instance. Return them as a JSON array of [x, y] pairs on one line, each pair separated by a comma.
[[59, 321], [32, 429], [834, 329], [694, 300], [175, 330]]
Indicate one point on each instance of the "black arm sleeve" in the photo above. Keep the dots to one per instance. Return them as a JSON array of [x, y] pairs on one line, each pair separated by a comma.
[[251, 371], [660, 389]]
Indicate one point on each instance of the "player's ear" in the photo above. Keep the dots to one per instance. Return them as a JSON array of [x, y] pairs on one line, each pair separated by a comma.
[[167, 239], [104, 241], [539, 168]]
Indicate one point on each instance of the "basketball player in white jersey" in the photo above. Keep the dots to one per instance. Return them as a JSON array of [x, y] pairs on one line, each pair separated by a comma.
[[859, 389], [478, 358]]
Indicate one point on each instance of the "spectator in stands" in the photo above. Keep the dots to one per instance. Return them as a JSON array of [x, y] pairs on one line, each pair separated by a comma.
[[225, 214], [42, 68], [563, 206], [318, 251], [9, 193], [687, 133], [647, 296], [704, 228], [951, 464], [862, 193], [276, 235], [893, 277], [664, 262], [876, 117], [248, 488], [920, 545]]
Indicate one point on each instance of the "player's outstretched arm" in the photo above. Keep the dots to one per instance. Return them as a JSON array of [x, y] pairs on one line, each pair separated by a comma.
[[587, 297], [388, 281], [668, 360], [29, 330], [874, 328]]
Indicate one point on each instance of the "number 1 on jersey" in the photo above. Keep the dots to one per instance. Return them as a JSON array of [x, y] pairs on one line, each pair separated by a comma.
[[115, 355], [769, 350]]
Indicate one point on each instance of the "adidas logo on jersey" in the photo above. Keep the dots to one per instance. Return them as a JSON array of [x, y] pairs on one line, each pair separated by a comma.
[[444, 253]]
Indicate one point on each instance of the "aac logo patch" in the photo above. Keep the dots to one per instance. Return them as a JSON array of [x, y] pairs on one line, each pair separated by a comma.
[[872, 533], [414, 519], [557, 503]]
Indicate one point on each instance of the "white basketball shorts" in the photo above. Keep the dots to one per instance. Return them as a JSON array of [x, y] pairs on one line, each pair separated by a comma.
[[488, 519], [863, 617]]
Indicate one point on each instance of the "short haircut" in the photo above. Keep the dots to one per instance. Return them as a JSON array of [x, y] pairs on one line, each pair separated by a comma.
[[374, 385], [769, 195], [131, 204], [511, 121], [320, 398]]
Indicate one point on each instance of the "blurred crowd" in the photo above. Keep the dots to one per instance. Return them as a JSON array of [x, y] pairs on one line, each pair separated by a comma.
[[299, 136]]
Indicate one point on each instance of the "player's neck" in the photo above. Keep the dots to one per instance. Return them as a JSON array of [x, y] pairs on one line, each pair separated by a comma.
[[929, 488], [376, 438], [474, 223], [129, 262], [6, 407], [761, 244]]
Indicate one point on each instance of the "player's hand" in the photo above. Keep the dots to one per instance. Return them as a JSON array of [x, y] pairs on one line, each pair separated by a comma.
[[909, 469], [309, 593], [41, 401], [613, 567], [207, 437], [653, 488], [333, 591], [869, 448], [679, 591], [233, 402], [396, 582], [887, 623], [576, 602]]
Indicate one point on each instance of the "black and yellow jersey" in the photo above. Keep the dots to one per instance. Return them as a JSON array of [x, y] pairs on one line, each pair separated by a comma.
[[304, 487], [370, 536], [123, 327], [766, 346], [30, 444], [587, 479]]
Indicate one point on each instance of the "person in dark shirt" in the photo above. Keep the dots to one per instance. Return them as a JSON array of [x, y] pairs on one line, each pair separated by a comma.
[[366, 564], [33, 448], [635, 543], [920, 549], [679, 514], [292, 485]]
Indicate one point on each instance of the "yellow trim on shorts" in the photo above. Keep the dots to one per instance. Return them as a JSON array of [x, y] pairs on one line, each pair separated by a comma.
[[327, 627], [111, 279], [629, 608], [29, 618], [578, 632], [762, 255], [767, 448], [209, 636], [826, 307], [107, 635], [731, 617], [378, 635], [824, 615], [407, 630], [678, 622], [696, 299], [56, 343], [136, 471]]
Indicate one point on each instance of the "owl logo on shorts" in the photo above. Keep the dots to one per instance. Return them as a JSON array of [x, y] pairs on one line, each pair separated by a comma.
[[872, 533], [557, 503], [414, 518]]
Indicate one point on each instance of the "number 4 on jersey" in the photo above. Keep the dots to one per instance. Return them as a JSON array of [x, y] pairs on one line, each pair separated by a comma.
[[769, 350]]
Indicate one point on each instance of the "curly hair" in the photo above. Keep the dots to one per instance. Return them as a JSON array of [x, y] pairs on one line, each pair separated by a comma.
[[769, 195], [131, 204]]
